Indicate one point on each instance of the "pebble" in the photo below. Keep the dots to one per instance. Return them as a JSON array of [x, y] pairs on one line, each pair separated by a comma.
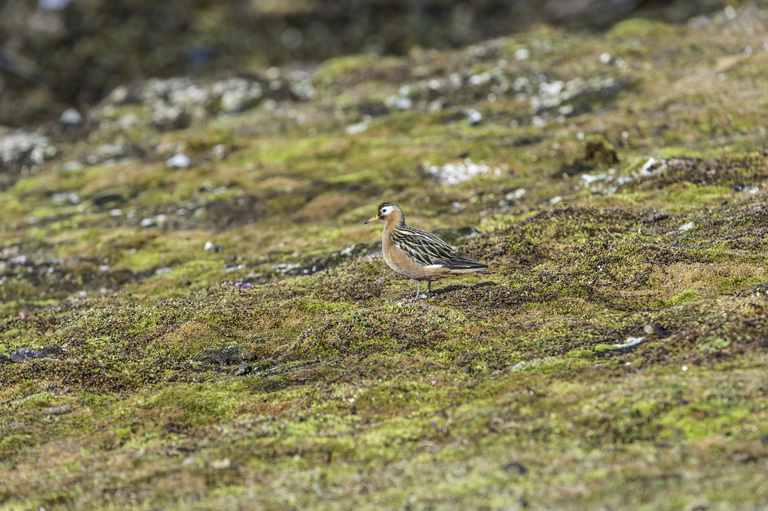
[[515, 467], [474, 117], [655, 328], [522, 54], [71, 117], [221, 464], [178, 161], [57, 410], [631, 341], [21, 148], [455, 173], [242, 369], [24, 354]]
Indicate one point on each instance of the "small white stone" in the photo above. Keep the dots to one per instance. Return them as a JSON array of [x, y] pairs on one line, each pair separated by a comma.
[[474, 117], [403, 103], [179, 160], [631, 341], [358, 127], [71, 117], [522, 54], [686, 227], [221, 464]]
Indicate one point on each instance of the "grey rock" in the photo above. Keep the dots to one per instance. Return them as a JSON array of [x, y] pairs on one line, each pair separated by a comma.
[[24, 354], [71, 117], [242, 369], [228, 355], [57, 410], [515, 467]]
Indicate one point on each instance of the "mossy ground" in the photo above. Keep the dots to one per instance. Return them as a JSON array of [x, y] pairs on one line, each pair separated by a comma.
[[524, 387]]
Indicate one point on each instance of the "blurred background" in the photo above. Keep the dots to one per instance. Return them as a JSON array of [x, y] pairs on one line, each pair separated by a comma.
[[56, 54]]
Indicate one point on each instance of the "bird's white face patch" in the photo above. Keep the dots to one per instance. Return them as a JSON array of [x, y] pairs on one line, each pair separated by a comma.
[[386, 210]]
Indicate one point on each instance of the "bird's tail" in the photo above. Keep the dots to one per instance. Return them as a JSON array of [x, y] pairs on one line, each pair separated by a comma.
[[462, 264]]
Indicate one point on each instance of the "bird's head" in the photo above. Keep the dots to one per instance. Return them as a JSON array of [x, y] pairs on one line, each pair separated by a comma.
[[386, 209]]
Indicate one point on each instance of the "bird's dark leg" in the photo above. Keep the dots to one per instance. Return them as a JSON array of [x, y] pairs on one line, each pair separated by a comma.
[[429, 285]]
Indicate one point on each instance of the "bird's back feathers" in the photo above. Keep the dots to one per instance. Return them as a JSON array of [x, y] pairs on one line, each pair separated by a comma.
[[427, 249]]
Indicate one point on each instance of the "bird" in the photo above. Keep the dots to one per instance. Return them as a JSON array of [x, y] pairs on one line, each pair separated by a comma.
[[418, 254]]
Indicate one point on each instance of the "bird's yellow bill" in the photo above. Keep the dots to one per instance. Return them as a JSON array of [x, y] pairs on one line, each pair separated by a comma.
[[372, 220]]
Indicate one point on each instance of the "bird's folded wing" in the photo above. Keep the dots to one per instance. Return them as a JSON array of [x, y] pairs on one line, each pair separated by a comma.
[[429, 250]]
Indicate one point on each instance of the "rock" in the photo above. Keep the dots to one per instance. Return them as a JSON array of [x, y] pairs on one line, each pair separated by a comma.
[[212, 246], [221, 464], [456, 173], [178, 161], [228, 355], [71, 117], [21, 149], [167, 118], [57, 410], [237, 94], [23, 354], [656, 216], [474, 117], [655, 328], [515, 467], [522, 54], [242, 369], [102, 200]]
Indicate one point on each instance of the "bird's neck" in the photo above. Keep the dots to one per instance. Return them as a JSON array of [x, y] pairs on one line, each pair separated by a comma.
[[392, 221]]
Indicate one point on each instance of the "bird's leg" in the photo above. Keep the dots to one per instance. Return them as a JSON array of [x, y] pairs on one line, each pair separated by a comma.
[[429, 285], [418, 291]]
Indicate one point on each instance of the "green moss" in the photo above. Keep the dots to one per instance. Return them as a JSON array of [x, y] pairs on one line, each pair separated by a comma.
[[14, 444], [332, 69], [40, 400], [199, 404], [642, 28], [504, 388], [689, 295]]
